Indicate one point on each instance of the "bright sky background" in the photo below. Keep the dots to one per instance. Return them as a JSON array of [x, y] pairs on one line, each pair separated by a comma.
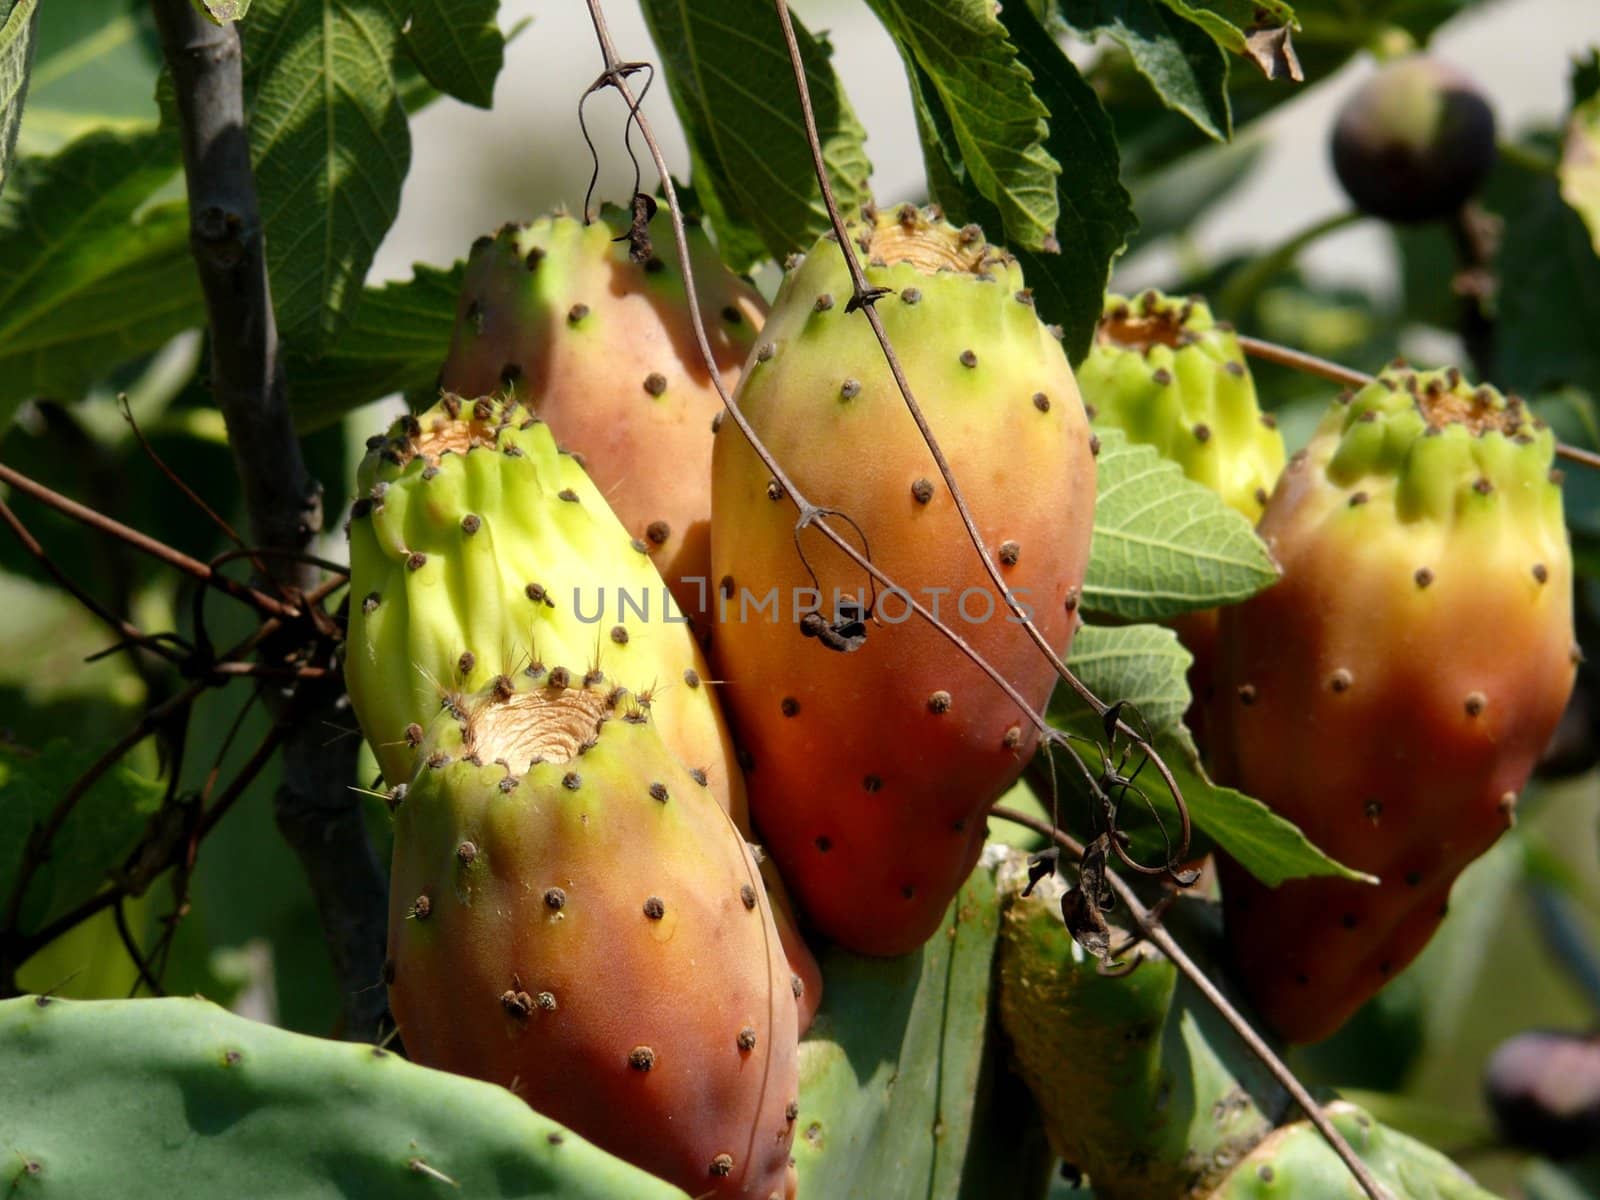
[[472, 170]]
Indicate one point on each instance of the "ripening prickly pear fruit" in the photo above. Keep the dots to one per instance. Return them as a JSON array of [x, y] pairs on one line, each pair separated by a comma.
[[572, 915], [477, 550], [1392, 693], [1544, 1090], [1415, 142], [1168, 374], [874, 747], [601, 347], [1295, 1162]]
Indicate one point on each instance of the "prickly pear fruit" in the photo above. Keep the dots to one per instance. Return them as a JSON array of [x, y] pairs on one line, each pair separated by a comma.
[[1158, 1049], [871, 768], [574, 916], [1415, 142], [601, 347], [1544, 1090], [478, 550], [1392, 693], [1296, 1163], [1168, 374]]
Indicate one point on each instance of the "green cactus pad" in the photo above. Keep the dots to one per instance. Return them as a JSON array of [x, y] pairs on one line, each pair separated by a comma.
[[1139, 1085], [167, 1099], [1295, 1163], [478, 549], [900, 1098], [1169, 375]]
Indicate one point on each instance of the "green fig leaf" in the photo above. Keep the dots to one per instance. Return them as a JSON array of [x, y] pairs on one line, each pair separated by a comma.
[[399, 336], [1548, 302], [1182, 62], [102, 827], [94, 269], [1094, 215], [1579, 170], [456, 44], [1256, 29], [728, 71], [18, 20], [967, 65], [331, 146], [1164, 544], [222, 12], [94, 67]]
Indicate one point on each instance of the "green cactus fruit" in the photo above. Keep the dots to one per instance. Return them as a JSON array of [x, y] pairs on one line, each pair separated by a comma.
[[1296, 1163], [1392, 693], [1155, 1109], [574, 916], [177, 1098], [1168, 374], [479, 550], [870, 768], [600, 346], [1415, 142]]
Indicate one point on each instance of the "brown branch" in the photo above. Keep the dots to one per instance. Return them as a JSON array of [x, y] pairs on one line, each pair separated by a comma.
[[1299, 360], [1150, 925], [130, 944], [1310, 364], [178, 482], [130, 635], [317, 815], [143, 542]]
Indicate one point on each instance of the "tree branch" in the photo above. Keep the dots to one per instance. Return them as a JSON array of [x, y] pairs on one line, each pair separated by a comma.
[[316, 811]]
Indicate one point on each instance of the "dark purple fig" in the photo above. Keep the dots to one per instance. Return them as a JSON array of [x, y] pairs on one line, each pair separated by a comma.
[[1415, 142], [1544, 1089]]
